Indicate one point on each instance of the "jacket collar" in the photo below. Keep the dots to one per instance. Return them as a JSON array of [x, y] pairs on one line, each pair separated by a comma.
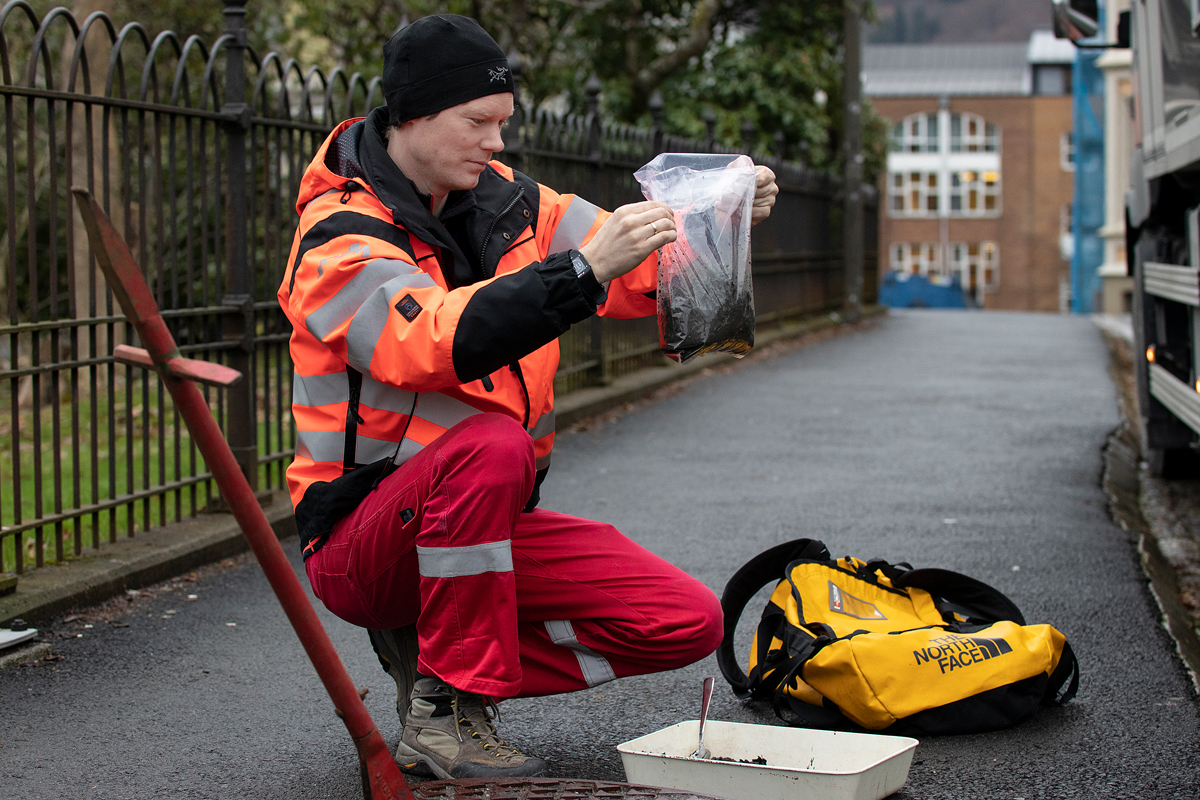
[[410, 208], [473, 212]]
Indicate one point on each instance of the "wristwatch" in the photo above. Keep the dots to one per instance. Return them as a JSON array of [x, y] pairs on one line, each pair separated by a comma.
[[587, 279]]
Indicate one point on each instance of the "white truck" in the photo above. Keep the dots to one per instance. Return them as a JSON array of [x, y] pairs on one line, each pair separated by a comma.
[[1162, 216]]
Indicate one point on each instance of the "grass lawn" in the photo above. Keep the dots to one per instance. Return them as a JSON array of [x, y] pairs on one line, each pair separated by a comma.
[[130, 442]]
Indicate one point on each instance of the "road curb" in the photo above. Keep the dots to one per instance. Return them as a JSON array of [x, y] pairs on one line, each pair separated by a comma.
[[1140, 504], [33, 651], [179, 547], [148, 558]]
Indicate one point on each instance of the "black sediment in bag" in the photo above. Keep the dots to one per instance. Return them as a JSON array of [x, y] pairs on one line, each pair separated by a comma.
[[705, 293]]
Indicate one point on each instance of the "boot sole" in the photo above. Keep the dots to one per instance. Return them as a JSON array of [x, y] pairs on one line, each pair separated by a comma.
[[416, 763]]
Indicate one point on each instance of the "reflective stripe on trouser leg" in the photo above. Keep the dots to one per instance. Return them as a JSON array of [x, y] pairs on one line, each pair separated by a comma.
[[432, 544], [596, 669], [456, 562]]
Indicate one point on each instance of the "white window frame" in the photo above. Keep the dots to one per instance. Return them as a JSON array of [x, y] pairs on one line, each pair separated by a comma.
[[977, 265], [975, 134], [916, 133], [916, 258], [918, 193], [975, 193], [961, 179], [1066, 151]]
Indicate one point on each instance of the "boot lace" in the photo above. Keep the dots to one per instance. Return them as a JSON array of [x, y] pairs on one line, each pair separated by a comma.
[[478, 715]]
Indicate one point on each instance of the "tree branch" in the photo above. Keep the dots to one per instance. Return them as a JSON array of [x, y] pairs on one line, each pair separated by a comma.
[[648, 78]]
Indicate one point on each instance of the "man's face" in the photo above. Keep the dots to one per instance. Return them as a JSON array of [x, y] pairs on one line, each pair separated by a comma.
[[450, 149]]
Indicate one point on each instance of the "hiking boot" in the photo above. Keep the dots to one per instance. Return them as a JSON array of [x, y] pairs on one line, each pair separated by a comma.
[[450, 734], [397, 651]]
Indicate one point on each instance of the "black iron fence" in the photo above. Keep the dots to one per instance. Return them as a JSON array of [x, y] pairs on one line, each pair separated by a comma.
[[196, 152]]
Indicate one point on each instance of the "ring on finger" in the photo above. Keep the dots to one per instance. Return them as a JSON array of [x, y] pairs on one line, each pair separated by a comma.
[[654, 225]]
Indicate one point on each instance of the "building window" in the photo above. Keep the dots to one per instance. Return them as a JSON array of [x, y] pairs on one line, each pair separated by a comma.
[[1051, 79], [974, 194], [917, 133], [1066, 237], [952, 174], [1066, 151], [913, 194], [970, 133], [916, 258], [977, 266]]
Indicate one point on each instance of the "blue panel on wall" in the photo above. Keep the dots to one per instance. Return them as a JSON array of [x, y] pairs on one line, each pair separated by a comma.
[[1088, 205], [901, 290]]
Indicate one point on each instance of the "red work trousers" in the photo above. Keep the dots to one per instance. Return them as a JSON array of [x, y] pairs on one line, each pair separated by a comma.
[[507, 604]]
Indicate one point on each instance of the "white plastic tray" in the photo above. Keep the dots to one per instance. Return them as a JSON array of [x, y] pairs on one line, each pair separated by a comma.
[[13, 638], [800, 763]]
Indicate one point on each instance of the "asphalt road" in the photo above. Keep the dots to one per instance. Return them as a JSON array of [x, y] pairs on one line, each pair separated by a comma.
[[965, 440]]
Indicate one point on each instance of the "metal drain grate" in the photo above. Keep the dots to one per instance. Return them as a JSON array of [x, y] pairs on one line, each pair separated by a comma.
[[542, 789]]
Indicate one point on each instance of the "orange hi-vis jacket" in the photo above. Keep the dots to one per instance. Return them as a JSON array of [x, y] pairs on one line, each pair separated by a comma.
[[405, 324]]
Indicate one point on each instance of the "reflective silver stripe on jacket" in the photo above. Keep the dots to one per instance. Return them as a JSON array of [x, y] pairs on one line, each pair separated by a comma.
[[576, 221], [442, 410], [376, 394], [544, 426], [365, 299], [320, 390], [457, 562], [596, 669], [325, 390], [330, 446], [346, 302], [368, 324], [434, 407]]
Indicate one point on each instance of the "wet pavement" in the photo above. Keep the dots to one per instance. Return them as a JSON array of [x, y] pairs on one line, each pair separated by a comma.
[[962, 440]]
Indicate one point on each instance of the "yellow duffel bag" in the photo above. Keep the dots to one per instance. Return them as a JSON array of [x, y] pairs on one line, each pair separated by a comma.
[[852, 644]]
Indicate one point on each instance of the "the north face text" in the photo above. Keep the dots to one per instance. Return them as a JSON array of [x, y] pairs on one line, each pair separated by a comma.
[[953, 651]]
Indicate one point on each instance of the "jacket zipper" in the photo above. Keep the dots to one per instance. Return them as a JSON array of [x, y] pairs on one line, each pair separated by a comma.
[[488, 238], [516, 367]]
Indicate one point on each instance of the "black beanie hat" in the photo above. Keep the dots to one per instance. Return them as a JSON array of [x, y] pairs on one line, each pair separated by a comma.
[[441, 61]]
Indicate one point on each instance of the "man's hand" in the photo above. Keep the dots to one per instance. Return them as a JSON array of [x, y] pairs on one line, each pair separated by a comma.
[[631, 234], [764, 195]]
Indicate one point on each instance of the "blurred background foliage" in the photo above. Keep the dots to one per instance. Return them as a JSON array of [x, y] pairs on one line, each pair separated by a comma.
[[776, 64]]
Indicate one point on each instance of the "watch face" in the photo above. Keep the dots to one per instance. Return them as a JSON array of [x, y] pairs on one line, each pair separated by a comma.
[[579, 263]]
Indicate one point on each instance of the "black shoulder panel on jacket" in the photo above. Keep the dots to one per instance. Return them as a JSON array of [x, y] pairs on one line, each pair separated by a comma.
[[349, 223], [516, 314]]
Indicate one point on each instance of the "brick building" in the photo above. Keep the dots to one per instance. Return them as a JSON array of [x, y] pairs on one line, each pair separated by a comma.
[[980, 169]]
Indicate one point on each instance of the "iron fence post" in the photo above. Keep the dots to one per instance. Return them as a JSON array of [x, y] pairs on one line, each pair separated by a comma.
[[601, 373], [514, 134], [656, 115], [710, 126], [852, 216], [238, 323]]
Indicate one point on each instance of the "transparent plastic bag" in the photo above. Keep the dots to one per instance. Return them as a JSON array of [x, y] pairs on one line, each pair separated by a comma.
[[705, 295]]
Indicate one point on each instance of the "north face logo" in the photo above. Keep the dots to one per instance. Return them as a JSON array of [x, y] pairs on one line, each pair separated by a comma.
[[957, 652], [498, 74]]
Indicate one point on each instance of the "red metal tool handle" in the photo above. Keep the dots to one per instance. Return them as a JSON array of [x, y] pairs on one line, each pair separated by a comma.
[[381, 778]]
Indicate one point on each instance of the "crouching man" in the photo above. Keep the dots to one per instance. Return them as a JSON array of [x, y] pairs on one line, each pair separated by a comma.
[[427, 287]]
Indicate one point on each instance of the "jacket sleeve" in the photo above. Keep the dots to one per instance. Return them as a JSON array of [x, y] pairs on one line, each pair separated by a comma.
[[567, 222], [355, 287]]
